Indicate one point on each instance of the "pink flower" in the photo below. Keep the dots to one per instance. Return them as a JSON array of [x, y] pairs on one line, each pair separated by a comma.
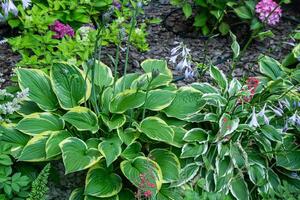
[[269, 11], [61, 30], [147, 193]]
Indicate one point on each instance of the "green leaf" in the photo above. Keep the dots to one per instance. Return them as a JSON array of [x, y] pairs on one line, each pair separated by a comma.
[[39, 86], [128, 136], [116, 121], [102, 75], [77, 194], [187, 174], [193, 150], [76, 155], [126, 100], [128, 81], [196, 135], [239, 189], [188, 101], [257, 175], [5, 160], [143, 173], [168, 162], [271, 132], [34, 151], [157, 129], [187, 9], [228, 125], [38, 123], [153, 64], [69, 85], [159, 99], [205, 88], [52, 144], [110, 149], [132, 151], [167, 193], [235, 46], [289, 160], [102, 183], [243, 12], [158, 81], [270, 67], [224, 28], [82, 118], [219, 77]]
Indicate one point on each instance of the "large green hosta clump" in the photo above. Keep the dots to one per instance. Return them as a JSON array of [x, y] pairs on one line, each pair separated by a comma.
[[127, 132]]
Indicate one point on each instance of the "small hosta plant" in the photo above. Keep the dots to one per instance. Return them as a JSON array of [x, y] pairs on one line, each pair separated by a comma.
[[244, 139]]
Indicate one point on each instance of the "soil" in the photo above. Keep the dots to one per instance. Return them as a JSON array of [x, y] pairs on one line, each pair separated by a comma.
[[161, 41]]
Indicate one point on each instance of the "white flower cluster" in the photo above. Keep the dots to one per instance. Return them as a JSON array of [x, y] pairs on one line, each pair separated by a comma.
[[14, 105], [8, 6], [182, 53], [279, 112]]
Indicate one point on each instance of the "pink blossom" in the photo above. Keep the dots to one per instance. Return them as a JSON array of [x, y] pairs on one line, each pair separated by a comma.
[[147, 193], [269, 11], [61, 30]]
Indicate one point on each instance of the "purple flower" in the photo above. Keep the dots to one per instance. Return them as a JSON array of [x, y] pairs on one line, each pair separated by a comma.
[[26, 3], [262, 113], [117, 4], [269, 11], [9, 6], [61, 30], [254, 122], [189, 73], [278, 111]]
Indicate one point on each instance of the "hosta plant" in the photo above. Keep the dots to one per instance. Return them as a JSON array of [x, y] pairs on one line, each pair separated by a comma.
[[115, 129], [244, 140]]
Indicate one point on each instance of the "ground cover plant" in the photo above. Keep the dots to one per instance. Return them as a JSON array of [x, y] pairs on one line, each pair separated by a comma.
[[138, 135]]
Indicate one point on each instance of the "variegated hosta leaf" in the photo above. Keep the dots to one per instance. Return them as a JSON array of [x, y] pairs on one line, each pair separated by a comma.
[[38, 123], [128, 136], [82, 118], [114, 122], [102, 183], [188, 101], [124, 84], [219, 77], [39, 86], [111, 149], [168, 162], [52, 144], [193, 150], [69, 85], [159, 99], [34, 150], [239, 188], [228, 125], [196, 135], [205, 88], [143, 173], [270, 67], [156, 129], [186, 174], [153, 64], [289, 160], [127, 100], [77, 156], [158, 81], [102, 74], [132, 151]]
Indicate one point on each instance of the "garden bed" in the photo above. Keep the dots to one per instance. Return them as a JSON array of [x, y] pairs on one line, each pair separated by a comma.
[[162, 39]]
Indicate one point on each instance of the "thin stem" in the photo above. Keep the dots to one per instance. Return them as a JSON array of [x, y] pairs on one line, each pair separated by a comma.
[[132, 22]]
